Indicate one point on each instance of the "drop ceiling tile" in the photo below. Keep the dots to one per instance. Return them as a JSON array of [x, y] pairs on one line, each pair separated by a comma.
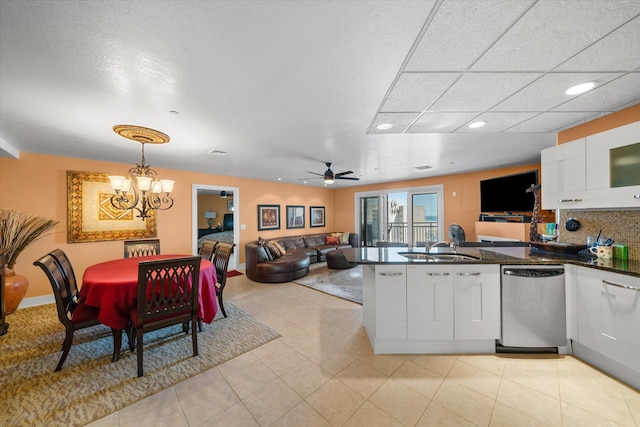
[[481, 91], [445, 44], [608, 97], [400, 122], [552, 122], [440, 122], [610, 53], [548, 91], [552, 31], [415, 92], [496, 122]]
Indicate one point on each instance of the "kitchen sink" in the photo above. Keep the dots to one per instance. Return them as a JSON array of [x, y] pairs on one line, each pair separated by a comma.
[[438, 257]]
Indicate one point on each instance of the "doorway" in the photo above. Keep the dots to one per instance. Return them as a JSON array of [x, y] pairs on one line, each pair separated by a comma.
[[406, 216], [218, 220]]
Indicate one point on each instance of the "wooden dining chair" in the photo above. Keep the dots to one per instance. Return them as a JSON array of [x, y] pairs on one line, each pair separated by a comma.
[[145, 247], [74, 314], [208, 249], [221, 262], [167, 295]]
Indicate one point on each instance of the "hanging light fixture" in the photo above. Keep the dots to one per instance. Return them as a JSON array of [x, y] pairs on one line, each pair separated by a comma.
[[142, 181]]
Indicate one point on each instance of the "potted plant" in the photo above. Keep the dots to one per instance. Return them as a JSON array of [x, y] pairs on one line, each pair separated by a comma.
[[17, 231]]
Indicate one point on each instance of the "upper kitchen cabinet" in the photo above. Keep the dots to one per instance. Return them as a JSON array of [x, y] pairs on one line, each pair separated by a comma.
[[613, 167], [564, 175], [598, 171]]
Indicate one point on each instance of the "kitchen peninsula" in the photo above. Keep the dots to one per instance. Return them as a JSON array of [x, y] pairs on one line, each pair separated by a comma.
[[419, 302]]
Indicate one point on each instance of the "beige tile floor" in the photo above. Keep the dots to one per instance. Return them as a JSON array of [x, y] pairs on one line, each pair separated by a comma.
[[322, 372]]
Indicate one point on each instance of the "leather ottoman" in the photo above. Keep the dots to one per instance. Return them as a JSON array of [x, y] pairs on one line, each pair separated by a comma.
[[337, 261]]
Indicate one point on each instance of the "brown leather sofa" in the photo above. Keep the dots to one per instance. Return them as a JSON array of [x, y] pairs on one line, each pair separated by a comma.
[[301, 251]]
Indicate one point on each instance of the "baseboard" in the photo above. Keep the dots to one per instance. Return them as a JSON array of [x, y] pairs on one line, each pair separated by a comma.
[[35, 301]]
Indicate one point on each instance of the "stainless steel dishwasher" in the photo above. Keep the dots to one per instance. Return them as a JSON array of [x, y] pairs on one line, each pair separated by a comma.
[[533, 307]]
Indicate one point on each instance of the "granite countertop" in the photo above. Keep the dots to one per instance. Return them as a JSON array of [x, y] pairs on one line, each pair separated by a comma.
[[492, 255]]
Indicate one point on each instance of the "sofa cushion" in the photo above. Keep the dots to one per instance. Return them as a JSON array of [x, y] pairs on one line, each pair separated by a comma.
[[332, 240], [280, 248], [292, 242], [316, 240], [268, 257]]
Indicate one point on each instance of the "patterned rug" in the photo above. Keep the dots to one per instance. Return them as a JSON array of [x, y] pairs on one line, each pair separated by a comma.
[[89, 386], [345, 284], [233, 273]]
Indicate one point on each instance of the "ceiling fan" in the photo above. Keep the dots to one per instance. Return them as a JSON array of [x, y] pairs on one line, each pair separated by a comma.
[[329, 176]]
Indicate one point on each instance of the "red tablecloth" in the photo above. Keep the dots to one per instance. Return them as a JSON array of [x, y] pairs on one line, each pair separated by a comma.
[[112, 286]]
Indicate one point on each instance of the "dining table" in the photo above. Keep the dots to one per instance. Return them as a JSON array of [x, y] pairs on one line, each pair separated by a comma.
[[112, 287]]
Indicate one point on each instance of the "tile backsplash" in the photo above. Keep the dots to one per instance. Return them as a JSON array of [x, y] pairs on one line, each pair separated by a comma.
[[621, 226]]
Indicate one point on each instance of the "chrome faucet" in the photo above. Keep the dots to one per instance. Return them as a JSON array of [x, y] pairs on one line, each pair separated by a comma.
[[443, 244]]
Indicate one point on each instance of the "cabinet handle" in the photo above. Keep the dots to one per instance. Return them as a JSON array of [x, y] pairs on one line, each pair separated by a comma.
[[569, 200], [390, 274], [469, 274], [608, 336], [636, 196], [618, 285], [437, 274]]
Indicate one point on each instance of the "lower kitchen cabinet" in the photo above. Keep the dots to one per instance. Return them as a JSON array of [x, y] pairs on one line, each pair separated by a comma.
[[432, 308], [476, 296], [608, 322]]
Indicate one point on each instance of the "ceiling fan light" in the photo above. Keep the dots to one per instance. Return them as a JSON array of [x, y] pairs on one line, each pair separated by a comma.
[[581, 88], [328, 180]]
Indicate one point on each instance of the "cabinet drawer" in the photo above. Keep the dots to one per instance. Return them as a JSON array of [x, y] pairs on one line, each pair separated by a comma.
[[391, 274]]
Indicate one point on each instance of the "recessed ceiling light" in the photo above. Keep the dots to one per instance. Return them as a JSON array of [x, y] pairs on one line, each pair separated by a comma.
[[581, 88], [279, 179], [477, 125], [384, 126]]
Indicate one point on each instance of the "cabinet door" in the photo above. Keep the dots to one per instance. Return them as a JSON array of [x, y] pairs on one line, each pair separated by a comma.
[[564, 175], [430, 302], [476, 296], [609, 315], [391, 301]]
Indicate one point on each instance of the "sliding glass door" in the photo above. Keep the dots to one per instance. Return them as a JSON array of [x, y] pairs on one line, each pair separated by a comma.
[[409, 216]]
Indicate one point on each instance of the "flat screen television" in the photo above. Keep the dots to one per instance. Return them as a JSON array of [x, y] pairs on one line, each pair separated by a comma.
[[506, 194]]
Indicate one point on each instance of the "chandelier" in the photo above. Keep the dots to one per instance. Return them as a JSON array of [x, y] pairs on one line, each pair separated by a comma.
[[141, 189]]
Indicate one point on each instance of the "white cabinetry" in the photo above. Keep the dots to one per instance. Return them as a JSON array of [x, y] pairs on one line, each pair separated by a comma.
[[430, 302], [391, 301], [577, 174], [476, 296], [435, 308], [563, 175], [598, 164], [608, 322]]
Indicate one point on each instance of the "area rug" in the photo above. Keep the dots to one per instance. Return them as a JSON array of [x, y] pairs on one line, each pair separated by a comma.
[[345, 284], [89, 386], [233, 273]]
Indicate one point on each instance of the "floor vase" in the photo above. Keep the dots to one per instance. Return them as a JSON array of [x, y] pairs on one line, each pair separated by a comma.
[[15, 288]]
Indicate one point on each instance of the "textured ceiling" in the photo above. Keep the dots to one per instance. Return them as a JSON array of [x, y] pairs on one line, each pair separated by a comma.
[[282, 87]]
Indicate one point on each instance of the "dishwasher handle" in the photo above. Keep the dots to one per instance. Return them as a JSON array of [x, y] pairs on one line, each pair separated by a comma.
[[533, 272]]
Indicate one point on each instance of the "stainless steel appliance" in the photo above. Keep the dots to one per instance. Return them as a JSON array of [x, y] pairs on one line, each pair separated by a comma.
[[533, 306]]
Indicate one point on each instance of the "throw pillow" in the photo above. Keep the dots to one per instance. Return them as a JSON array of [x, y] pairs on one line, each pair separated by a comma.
[[275, 252], [280, 248], [332, 240], [344, 238]]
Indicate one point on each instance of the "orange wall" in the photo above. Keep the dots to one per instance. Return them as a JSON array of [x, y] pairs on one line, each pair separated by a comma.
[[463, 209], [38, 184], [613, 120]]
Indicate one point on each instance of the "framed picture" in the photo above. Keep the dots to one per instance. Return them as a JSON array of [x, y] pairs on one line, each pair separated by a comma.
[[268, 217], [316, 216], [230, 205], [295, 216], [91, 217]]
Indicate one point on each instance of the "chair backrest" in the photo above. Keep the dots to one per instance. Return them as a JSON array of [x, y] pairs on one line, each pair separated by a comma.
[[208, 249], [381, 244], [136, 248], [167, 292], [64, 303], [221, 261], [67, 270]]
